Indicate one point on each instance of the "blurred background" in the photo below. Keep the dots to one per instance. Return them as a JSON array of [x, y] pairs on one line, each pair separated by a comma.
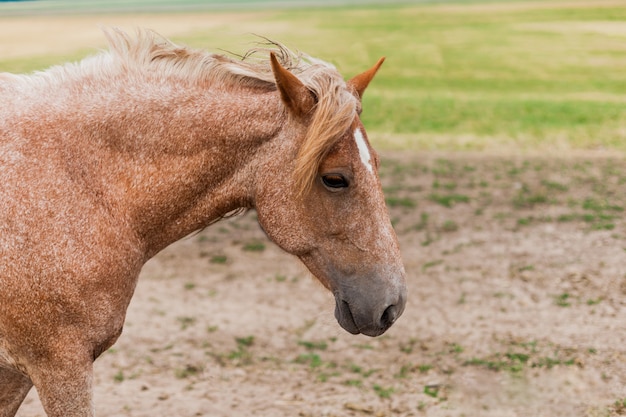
[[526, 75]]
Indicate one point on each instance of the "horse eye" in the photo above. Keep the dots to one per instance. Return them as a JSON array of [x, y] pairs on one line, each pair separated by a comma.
[[335, 181]]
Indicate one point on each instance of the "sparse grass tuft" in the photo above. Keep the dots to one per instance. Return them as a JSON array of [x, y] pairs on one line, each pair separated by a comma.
[[187, 371], [449, 226], [309, 345], [400, 202], [432, 390], [449, 200], [619, 407], [242, 355], [526, 198], [312, 359], [255, 246], [245, 341], [186, 321], [218, 259], [382, 391], [119, 376], [563, 300]]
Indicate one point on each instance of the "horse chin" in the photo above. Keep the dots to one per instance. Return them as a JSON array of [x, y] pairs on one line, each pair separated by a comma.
[[344, 316]]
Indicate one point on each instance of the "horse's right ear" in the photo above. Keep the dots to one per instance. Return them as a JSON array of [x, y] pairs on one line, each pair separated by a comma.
[[296, 96]]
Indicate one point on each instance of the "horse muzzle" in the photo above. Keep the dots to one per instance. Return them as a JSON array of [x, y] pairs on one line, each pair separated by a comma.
[[372, 308]]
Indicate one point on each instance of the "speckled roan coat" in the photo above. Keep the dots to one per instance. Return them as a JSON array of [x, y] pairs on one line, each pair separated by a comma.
[[105, 162]]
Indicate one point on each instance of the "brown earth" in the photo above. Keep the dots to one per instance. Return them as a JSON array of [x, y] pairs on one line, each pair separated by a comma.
[[516, 307]]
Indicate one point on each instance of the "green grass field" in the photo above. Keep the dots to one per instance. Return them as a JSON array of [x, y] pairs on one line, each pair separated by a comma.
[[496, 75]]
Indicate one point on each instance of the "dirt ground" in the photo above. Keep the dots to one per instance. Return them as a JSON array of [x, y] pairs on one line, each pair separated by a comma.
[[517, 287]]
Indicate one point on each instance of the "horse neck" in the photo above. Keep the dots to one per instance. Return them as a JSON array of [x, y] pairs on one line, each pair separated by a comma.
[[172, 159]]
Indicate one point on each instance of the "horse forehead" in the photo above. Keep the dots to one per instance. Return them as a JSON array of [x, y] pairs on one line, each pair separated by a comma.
[[362, 146], [353, 150]]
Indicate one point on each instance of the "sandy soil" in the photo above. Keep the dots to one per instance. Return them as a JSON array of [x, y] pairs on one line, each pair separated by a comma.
[[516, 307]]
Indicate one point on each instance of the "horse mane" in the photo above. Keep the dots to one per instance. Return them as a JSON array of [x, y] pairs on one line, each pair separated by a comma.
[[332, 116]]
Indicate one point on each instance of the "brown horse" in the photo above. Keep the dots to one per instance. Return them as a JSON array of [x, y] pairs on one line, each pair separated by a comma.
[[105, 162]]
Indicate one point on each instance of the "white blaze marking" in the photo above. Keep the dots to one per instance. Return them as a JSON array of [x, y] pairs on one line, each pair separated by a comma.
[[364, 152]]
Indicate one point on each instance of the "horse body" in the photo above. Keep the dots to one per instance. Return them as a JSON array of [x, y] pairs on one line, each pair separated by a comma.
[[106, 162]]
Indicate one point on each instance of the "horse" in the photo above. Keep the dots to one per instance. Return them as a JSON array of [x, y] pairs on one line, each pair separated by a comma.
[[106, 161]]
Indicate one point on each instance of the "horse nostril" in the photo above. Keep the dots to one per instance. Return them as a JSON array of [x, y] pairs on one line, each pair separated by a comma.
[[389, 316]]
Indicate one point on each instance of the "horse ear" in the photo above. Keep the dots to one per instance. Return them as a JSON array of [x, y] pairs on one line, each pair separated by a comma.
[[360, 82], [296, 96]]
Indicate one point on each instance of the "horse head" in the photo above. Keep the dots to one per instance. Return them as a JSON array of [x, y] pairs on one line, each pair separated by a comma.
[[324, 202]]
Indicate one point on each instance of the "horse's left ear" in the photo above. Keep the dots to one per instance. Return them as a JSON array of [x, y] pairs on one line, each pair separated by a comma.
[[360, 82], [296, 96]]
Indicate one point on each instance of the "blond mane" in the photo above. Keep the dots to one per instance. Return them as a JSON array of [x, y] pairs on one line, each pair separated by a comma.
[[333, 114]]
